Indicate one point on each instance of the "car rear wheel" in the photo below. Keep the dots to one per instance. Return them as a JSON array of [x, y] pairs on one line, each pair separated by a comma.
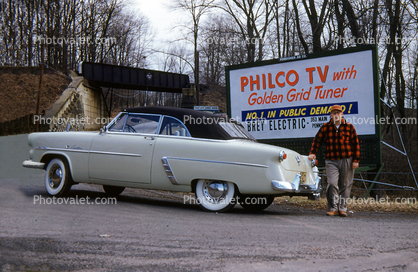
[[215, 195], [57, 177], [113, 190], [256, 203]]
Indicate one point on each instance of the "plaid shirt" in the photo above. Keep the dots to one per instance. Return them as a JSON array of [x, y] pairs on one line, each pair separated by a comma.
[[340, 143]]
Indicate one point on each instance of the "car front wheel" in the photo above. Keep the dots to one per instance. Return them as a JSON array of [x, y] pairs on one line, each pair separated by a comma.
[[215, 195], [57, 177]]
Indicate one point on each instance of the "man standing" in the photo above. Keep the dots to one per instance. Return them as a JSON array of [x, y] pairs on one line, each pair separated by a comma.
[[342, 156]]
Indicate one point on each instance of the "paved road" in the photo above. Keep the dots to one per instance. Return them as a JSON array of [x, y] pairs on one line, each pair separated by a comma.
[[154, 231]]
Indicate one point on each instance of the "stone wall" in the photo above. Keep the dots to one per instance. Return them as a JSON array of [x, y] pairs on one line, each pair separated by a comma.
[[80, 107]]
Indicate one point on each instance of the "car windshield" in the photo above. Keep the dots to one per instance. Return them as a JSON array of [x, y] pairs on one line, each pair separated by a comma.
[[236, 131], [118, 123]]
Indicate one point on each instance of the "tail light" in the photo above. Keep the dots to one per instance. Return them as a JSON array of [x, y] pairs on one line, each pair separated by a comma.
[[282, 156]]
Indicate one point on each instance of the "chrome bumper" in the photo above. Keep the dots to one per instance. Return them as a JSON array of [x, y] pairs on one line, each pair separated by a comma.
[[295, 187], [32, 164]]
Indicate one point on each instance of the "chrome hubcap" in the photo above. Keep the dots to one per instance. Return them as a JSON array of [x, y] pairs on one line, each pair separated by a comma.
[[214, 191], [55, 176]]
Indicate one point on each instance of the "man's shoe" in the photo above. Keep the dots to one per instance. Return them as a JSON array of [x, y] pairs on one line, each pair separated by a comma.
[[332, 213], [343, 214]]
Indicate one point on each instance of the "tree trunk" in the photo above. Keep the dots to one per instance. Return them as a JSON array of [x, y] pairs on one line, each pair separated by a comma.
[[352, 20], [299, 31], [340, 24]]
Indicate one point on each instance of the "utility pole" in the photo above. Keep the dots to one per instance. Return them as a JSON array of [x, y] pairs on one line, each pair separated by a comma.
[[196, 76], [39, 95]]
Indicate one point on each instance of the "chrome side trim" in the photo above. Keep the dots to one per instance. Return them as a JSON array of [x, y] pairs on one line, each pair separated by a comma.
[[223, 162], [88, 151], [32, 164], [61, 149], [169, 172], [132, 134], [115, 153]]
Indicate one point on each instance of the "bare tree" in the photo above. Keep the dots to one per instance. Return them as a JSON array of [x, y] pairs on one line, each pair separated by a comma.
[[317, 24], [299, 29], [177, 59], [62, 33], [394, 49], [253, 18], [221, 46], [352, 20], [196, 9], [282, 41]]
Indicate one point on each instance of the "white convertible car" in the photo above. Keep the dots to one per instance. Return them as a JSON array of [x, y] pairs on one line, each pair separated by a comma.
[[174, 149]]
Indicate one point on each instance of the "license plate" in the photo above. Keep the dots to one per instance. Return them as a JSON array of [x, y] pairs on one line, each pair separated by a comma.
[[302, 177]]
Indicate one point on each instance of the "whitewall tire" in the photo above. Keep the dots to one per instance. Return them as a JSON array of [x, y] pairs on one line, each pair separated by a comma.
[[215, 195], [57, 177]]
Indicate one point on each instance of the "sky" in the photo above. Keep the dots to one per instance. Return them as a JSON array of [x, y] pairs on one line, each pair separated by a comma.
[[162, 18], [163, 21]]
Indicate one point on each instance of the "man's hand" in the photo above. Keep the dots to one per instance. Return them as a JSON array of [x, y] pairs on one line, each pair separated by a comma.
[[312, 157], [354, 165]]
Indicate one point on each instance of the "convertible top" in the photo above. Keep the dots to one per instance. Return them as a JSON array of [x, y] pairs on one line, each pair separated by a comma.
[[200, 124]]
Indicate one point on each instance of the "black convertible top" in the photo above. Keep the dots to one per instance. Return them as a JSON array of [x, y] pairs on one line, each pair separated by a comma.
[[200, 124]]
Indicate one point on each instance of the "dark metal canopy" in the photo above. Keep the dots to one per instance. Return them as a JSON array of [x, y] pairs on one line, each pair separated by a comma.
[[122, 77]]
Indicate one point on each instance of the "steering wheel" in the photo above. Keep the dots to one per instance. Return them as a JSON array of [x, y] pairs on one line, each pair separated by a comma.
[[129, 128]]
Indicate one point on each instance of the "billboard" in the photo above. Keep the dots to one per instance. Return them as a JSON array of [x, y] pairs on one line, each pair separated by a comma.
[[291, 98]]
